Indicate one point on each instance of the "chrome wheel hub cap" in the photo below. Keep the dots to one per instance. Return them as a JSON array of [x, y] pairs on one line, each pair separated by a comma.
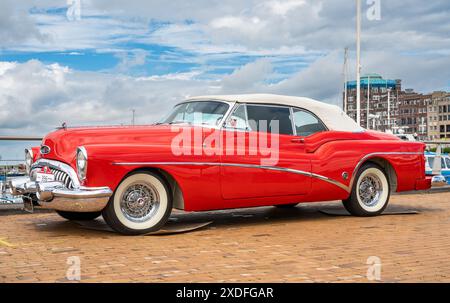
[[370, 190], [139, 202]]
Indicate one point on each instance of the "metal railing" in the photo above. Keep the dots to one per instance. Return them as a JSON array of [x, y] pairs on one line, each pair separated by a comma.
[[20, 138], [7, 201]]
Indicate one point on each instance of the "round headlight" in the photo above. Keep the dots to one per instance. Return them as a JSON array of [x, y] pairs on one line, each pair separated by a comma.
[[28, 160], [81, 163]]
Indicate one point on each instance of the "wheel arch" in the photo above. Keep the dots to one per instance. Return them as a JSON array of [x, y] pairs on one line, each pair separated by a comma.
[[174, 187], [387, 167]]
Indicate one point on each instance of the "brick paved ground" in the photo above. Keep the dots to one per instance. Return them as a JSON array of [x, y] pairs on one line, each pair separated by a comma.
[[262, 244]]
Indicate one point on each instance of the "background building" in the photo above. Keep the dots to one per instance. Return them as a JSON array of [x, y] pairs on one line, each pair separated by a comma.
[[439, 116], [377, 90], [433, 116], [427, 116], [412, 113]]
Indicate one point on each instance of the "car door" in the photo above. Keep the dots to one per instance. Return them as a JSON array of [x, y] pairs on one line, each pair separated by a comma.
[[266, 159]]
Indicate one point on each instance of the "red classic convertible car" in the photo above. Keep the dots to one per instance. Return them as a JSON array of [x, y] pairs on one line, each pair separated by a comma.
[[219, 152]]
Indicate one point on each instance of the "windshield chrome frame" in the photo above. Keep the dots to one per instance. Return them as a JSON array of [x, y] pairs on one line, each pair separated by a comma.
[[225, 115]]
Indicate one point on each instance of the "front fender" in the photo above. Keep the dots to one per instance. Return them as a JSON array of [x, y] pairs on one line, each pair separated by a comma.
[[102, 159]]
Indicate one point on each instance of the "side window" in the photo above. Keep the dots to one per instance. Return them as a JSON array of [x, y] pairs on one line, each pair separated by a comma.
[[238, 119], [306, 123], [447, 160], [265, 118]]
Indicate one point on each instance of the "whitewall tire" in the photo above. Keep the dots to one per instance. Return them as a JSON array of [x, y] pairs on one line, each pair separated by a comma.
[[141, 204], [370, 192]]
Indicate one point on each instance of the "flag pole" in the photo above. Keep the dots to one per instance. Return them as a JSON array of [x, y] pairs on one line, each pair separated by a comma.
[[345, 78], [358, 62], [368, 98]]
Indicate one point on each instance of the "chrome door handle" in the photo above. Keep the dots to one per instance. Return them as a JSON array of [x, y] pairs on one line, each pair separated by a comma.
[[298, 140]]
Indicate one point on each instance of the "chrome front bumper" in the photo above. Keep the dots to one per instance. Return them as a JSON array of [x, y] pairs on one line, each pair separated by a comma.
[[56, 195]]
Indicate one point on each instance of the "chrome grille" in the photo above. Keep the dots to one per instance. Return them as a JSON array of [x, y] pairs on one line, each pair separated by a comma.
[[62, 177]]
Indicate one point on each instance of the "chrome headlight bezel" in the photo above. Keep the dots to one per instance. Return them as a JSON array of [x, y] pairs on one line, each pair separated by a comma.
[[81, 163], [28, 159]]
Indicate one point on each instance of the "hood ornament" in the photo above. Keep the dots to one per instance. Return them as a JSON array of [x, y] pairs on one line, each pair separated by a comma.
[[63, 126]]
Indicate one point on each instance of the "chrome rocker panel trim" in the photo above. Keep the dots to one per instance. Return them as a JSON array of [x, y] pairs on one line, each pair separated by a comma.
[[276, 168]]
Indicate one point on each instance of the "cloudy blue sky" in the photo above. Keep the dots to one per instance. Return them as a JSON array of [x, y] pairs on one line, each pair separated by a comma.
[[148, 55]]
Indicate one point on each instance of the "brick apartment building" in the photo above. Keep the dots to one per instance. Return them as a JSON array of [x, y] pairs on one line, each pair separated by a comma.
[[412, 113], [425, 115], [438, 116], [379, 91]]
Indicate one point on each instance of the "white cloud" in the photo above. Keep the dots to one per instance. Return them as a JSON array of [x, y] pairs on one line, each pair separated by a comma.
[[249, 78], [5, 66], [222, 26], [322, 80], [283, 7], [131, 59], [44, 96], [17, 26]]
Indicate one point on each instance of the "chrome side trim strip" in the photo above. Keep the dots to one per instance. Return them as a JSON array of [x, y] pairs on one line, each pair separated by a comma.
[[277, 168], [274, 168], [332, 181]]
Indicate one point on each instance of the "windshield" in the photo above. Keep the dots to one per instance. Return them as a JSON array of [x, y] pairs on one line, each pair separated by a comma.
[[198, 112]]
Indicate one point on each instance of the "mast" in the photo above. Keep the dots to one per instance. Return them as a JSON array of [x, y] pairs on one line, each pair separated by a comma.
[[358, 62], [368, 98], [389, 108], [345, 78]]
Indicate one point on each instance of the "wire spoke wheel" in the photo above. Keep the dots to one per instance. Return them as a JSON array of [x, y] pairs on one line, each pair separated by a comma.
[[142, 203], [139, 202], [370, 190]]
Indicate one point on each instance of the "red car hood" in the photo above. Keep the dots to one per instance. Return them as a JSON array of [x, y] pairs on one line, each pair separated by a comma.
[[63, 143]]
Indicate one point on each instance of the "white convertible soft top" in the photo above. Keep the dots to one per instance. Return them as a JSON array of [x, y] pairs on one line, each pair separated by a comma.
[[333, 116]]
